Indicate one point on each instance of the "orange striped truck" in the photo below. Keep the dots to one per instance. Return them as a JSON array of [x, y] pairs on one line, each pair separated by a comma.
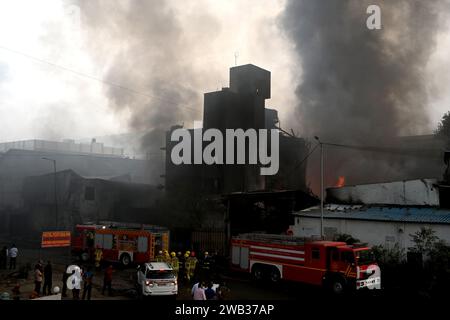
[[120, 242], [331, 264]]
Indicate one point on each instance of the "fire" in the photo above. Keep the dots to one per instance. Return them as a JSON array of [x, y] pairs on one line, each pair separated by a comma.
[[340, 182]]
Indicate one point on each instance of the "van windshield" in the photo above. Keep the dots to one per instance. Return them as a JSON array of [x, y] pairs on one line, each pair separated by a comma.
[[160, 274]]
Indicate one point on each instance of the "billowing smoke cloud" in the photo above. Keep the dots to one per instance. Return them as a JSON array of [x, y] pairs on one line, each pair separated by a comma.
[[143, 47], [362, 86]]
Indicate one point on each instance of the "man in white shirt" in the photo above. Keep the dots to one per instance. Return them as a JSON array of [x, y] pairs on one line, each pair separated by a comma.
[[12, 252]]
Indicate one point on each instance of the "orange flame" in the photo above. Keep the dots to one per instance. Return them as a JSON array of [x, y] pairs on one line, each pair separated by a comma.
[[340, 182]]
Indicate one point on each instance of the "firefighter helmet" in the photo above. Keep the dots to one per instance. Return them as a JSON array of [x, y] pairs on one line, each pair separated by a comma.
[[173, 254], [192, 254]]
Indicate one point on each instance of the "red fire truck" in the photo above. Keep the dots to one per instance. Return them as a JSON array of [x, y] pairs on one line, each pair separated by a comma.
[[120, 242], [334, 265]]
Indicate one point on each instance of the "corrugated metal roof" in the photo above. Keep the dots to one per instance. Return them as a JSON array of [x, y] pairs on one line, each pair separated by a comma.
[[380, 213]]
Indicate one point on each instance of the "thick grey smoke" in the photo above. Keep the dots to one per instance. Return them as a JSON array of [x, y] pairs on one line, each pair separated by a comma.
[[362, 86], [143, 46]]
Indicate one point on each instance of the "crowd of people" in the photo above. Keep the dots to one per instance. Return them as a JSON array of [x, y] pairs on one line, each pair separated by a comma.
[[200, 271], [188, 268]]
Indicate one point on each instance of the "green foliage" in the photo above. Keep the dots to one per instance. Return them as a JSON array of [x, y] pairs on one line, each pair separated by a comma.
[[435, 251], [424, 241], [440, 257], [389, 256], [345, 238]]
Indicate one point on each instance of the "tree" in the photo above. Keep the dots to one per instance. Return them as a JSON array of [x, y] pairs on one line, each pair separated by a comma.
[[389, 257], [424, 241], [348, 239], [443, 129]]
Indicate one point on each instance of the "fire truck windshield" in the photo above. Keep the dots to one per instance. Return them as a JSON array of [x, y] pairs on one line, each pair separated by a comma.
[[364, 257]]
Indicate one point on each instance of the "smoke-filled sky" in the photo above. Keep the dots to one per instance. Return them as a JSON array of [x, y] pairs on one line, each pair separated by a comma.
[[168, 52], [171, 52]]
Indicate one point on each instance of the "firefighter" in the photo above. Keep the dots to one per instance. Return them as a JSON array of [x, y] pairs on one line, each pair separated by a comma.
[[167, 258], [159, 257], [181, 266], [191, 264], [175, 264], [186, 264], [206, 266], [98, 257]]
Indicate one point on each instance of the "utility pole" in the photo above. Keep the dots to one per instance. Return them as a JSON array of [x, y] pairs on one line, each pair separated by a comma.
[[321, 187], [54, 191]]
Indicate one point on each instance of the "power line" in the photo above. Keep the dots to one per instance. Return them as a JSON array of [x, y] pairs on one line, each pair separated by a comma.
[[109, 83], [304, 159]]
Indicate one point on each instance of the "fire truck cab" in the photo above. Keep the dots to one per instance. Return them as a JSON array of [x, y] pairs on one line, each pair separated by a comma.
[[334, 265]]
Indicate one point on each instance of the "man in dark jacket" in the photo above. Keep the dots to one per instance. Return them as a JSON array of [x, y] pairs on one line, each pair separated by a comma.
[[48, 274], [107, 280], [87, 277]]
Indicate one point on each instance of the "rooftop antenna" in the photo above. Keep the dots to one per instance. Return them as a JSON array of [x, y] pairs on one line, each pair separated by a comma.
[[236, 55]]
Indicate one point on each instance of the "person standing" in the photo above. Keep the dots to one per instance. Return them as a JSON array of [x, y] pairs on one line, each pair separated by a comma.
[[210, 293], [181, 266], [175, 264], [107, 280], [37, 279], [3, 257], [191, 264], [159, 257], [64, 281], [194, 287], [87, 277], [48, 275], [199, 292], [222, 291], [98, 257], [13, 251]]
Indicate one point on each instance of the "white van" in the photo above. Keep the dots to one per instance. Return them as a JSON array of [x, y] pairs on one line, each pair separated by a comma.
[[156, 279]]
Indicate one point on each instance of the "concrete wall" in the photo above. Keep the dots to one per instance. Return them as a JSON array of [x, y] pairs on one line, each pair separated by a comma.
[[372, 232]]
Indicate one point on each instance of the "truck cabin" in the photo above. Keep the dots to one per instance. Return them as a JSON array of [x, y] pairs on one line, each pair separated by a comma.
[[334, 256]]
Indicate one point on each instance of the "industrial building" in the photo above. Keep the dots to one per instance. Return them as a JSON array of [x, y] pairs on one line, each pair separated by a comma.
[[22, 159], [82, 200], [380, 214], [240, 106]]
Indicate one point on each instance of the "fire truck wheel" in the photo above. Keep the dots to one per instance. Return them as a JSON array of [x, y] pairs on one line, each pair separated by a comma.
[[258, 273], [337, 286], [125, 260], [274, 275]]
